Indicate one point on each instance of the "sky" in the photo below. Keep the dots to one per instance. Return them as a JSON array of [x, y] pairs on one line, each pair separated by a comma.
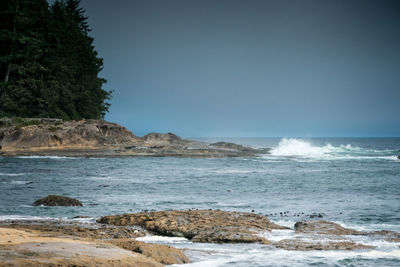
[[227, 68]]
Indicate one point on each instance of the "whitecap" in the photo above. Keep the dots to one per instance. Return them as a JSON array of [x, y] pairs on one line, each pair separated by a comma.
[[11, 174], [46, 157], [24, 218], [304, 151], [21, 182]]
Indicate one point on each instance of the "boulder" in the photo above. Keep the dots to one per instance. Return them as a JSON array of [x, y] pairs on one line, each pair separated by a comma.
[[161, 253], [54, 200], [213, 226]]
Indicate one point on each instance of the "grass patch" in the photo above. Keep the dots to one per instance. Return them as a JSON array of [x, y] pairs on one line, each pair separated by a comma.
[[18, 122]]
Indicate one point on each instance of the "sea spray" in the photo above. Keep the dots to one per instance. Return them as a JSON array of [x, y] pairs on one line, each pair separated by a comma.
[[299, 148]]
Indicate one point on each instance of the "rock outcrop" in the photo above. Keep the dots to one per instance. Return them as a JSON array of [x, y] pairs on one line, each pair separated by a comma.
[[84, 133], [200, 225], [23, 248], [84, 239], [112, 242], [324, 235], [78, 230], [54, 200], [97, 138]]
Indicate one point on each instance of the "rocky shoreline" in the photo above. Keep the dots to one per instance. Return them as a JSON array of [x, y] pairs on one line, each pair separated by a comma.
[[111, 241], [96, 138]]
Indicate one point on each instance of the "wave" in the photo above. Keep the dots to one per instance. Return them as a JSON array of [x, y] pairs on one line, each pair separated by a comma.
[[46, 157], [20, 182], [11, 174], [162, 239], [25, 218], [8, 218], [292, 147]]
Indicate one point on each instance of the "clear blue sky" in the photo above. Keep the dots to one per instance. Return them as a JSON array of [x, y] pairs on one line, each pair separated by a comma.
[[251, 68]]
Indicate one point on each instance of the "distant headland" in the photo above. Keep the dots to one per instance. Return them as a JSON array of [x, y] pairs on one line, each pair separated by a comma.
[[99, 138]]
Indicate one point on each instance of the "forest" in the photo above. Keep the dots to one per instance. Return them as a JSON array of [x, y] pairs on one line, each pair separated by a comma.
[[49, 67]]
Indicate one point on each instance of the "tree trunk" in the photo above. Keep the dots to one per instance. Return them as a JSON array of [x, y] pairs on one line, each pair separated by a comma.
[[7, 73], [11, 46]]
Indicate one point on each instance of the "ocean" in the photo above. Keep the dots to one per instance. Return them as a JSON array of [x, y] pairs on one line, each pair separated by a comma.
[[351, 181]]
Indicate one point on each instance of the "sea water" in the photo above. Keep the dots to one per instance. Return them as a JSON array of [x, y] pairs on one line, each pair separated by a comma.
[[354, 182]]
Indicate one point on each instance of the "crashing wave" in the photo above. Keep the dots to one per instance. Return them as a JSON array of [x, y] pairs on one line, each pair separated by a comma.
[[300, 148]]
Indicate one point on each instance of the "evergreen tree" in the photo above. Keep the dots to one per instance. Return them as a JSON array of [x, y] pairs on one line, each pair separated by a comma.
[[23, 44], [48, 62]]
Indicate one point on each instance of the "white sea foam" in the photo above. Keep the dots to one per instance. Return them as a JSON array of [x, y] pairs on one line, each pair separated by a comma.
[[304, 150], [21, 182], [83, 220], [24, 218], [163, 239], [245, 254], [276, 235], [46, 157], [11, 174]]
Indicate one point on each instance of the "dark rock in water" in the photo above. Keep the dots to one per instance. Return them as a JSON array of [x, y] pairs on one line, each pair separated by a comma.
[[53, 200], [200, 225], [398, 157], [81, 217]]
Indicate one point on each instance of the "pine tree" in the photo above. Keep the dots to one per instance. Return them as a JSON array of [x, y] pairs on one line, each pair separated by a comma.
[[48, 62], [24, 23]]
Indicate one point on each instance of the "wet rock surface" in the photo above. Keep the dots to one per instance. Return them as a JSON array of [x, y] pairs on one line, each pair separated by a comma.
[[213, 226], [112, 242], [324, 228], [34, 248], [325, 235], [79, 230], [54, 200], [296, 244], [98, 239], [390, 236]]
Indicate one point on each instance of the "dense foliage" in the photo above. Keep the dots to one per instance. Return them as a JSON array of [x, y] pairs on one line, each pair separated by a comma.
[[48, 64]]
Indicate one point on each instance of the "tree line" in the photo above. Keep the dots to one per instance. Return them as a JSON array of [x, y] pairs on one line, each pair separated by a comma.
[[48, 64]]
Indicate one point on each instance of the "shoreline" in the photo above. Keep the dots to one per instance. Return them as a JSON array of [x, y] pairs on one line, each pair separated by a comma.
[[95, 138], [125, 235]]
